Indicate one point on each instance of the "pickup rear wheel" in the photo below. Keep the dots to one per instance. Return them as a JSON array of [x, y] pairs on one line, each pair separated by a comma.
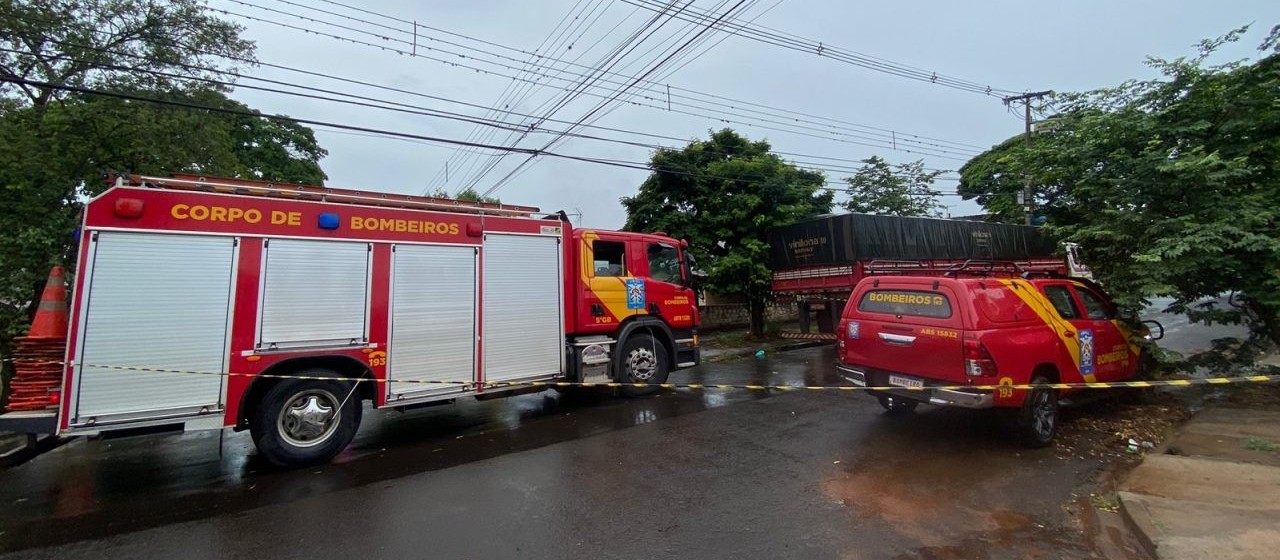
[[643, 360], [1037, 421], [302, 422], [897, 404]]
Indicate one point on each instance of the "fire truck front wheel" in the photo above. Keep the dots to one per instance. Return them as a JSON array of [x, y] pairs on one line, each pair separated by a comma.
[[643, 360], [303, 422]]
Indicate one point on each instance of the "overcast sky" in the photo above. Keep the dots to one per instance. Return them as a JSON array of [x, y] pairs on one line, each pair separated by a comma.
[[1019, 46]]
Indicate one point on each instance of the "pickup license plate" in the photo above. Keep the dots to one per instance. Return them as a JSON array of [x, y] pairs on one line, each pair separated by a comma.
[[902, 381]]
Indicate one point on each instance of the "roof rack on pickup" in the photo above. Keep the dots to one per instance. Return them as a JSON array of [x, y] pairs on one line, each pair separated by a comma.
[[974, 267], [323, 194]]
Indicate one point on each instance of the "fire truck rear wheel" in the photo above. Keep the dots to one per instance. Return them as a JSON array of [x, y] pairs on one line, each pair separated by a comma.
[[643, 360], [302, 422]]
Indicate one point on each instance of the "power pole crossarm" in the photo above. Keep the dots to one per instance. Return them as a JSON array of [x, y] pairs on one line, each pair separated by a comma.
[[1027, 194]]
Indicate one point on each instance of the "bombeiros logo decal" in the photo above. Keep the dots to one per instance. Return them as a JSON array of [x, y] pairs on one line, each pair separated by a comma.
[[635, 294], [1086, 351]]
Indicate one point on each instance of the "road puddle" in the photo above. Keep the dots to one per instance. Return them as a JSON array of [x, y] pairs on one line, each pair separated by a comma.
[[953, 505]]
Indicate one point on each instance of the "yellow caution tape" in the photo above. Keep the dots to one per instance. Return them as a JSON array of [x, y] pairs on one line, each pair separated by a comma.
[[750, 387]]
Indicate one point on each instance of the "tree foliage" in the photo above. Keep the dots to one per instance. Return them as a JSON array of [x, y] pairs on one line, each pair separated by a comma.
[[722, 195], [905, 189], [84, 43], [1172, 185], [55, 147], [468, 194]]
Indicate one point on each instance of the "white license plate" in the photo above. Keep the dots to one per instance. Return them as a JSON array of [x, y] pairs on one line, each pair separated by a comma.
[[901, 381]]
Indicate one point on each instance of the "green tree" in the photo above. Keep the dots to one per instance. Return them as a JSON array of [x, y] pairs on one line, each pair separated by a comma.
[[996, 178], [723, 195], [55, 146], [1171, 185], [905, 189], [470, 195], [84, 43]]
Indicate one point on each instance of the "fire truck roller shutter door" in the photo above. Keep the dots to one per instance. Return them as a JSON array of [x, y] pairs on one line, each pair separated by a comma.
[[433, 318], [153, 301], [523, 311], [299, 274]]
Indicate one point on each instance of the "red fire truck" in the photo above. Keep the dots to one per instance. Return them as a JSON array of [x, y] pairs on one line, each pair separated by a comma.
[[279, 308]]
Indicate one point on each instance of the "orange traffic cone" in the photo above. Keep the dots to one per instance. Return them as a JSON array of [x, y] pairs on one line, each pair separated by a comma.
[[51, 316]]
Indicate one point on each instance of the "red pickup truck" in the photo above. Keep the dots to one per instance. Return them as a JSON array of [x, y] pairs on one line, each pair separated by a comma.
[[984, 324]]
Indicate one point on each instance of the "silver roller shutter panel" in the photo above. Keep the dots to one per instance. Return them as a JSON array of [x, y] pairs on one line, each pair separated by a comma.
[[154, 301], [523, 312], [433, 318], [314, 292]]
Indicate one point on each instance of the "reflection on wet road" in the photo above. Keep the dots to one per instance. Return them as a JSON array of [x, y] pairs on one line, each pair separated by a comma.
[[711, 474]]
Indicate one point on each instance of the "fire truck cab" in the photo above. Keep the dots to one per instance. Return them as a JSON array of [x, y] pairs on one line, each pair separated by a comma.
[[280, 308]]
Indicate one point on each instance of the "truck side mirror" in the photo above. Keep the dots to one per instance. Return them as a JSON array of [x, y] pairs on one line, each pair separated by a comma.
[[690, 277], [1155, 333]]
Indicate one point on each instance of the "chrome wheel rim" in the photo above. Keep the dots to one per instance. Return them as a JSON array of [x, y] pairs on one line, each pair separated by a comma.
[[642, 365], [309, 418]]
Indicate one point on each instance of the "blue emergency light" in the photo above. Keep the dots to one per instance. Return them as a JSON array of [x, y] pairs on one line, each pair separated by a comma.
[[329, 220]]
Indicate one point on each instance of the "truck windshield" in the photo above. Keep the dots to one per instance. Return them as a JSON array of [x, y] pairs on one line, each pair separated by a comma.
[[664, 263], [906, 302]]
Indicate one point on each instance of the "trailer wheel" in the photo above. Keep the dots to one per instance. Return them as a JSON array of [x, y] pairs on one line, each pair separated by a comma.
[[302, 422], [643, 360]]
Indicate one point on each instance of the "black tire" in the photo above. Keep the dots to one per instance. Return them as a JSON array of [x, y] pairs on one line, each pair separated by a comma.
[[897, 405], [1037, 420], [284, 425], [643, 360]]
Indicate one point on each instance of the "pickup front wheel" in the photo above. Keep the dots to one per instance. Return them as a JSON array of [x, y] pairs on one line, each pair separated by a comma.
[[1037, 421]]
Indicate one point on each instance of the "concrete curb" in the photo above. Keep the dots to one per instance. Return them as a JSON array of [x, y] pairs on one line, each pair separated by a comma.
[[1139, 524]]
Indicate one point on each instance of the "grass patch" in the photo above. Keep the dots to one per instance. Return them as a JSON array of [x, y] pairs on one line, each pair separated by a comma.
[[1105, 502], [1259, 444]]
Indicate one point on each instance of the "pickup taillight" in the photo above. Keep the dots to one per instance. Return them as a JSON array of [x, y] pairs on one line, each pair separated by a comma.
[[977, 360]]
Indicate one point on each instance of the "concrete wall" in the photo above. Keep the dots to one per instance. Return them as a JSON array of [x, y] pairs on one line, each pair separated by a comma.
[[737, 315]]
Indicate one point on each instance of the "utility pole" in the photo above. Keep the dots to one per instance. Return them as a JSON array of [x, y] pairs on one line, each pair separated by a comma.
[[1027, 195]]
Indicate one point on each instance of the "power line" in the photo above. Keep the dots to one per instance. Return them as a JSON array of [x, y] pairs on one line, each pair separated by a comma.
[[630, 95], [601, 105], [369, 130], [794, 42], [605, 64], [840, 131], [517, 91], [522, 89], [366, 101]]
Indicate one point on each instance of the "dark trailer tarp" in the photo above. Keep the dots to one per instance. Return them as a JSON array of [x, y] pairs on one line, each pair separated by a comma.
[[849, 238]]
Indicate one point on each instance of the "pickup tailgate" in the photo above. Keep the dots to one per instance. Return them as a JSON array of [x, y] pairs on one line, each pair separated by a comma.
[[910, 328]]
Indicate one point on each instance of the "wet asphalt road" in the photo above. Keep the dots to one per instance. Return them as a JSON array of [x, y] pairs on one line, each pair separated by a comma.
[[711, 474]]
